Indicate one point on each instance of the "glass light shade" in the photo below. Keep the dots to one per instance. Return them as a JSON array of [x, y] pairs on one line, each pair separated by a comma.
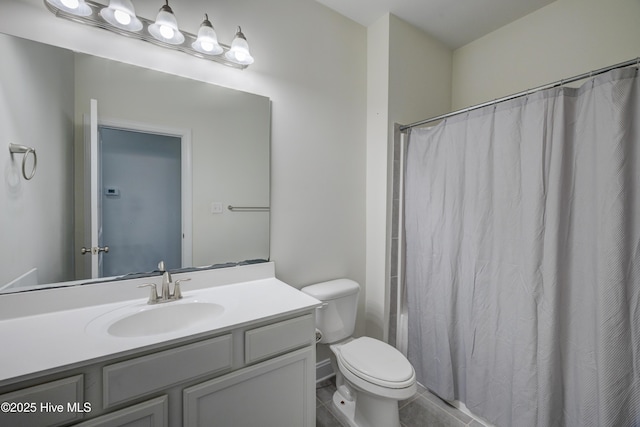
[[239, 52], [207, 41], [121, 14], [165, 28], [74, 7]]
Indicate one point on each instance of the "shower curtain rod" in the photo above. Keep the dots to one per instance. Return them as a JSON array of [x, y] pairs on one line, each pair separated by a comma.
[[562, 82]]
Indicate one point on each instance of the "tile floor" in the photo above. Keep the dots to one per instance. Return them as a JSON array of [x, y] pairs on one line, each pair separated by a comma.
[[422, 410]]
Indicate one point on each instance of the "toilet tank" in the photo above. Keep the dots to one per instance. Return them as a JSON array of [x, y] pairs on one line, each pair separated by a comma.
[[336, 318]]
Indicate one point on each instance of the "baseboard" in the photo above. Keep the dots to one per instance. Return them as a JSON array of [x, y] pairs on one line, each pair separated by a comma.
[[324, 370]]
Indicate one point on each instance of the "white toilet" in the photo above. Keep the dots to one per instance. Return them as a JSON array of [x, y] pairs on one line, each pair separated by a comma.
[[371, 376]]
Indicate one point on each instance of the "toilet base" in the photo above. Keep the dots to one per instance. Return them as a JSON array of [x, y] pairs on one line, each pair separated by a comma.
[[346, 409], [367, 410]]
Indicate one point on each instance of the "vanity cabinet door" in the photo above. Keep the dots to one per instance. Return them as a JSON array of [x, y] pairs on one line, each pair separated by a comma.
[[276, 393], [50, 404], [153, 413]]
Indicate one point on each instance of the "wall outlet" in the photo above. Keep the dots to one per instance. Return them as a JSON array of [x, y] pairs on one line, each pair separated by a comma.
[[216, 208]]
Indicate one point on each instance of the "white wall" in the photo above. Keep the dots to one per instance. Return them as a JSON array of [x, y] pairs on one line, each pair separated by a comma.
[[377, 140], [419, 76], [563, 39], [26, 235], [409, 76], [311, 62]]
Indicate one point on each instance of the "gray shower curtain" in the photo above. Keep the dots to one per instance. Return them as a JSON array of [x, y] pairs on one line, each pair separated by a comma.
[[523, 256]]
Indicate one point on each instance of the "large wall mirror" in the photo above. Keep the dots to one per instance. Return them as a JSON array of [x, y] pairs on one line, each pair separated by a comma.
[[172, 156]]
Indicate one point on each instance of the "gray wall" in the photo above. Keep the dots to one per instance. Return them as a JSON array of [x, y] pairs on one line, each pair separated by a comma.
[[39, 115]]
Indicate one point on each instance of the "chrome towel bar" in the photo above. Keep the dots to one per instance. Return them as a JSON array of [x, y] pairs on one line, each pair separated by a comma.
[[248, 208]]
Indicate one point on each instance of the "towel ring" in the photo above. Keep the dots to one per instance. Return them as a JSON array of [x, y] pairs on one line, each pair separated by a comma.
[[23, 149]]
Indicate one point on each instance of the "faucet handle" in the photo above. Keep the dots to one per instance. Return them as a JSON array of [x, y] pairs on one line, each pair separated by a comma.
[[153, 294], [161, 267], [177, 293]]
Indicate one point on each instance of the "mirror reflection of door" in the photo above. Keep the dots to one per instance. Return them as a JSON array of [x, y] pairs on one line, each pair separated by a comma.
[[92, 221], [123, 217], [131, 163]]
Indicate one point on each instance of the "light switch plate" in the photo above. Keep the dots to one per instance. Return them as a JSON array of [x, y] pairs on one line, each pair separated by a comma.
[[216, 208]]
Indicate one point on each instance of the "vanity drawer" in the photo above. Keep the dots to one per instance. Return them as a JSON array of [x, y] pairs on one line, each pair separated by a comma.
[[49, 404], [272, 340], [143, 375]]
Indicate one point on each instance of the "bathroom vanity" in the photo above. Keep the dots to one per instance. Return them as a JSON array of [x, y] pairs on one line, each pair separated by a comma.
[[237, 350]]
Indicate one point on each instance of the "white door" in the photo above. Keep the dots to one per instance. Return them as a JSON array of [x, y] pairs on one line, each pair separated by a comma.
[[94, 248]]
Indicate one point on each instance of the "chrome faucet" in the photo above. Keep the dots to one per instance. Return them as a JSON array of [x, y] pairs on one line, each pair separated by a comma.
[[166, 280], [165, 295]]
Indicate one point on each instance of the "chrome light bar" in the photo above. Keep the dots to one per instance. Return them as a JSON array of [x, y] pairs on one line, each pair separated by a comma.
[[95, 19]]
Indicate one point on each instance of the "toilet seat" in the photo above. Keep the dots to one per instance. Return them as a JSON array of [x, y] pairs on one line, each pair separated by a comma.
[[376, 362]]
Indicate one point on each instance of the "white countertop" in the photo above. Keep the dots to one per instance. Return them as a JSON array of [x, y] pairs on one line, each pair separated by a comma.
[[44, 342]]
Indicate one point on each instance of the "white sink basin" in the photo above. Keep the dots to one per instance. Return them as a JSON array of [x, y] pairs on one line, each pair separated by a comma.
[[156, 319]]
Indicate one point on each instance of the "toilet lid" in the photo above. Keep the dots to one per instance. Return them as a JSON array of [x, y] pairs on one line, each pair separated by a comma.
[[376, 361]]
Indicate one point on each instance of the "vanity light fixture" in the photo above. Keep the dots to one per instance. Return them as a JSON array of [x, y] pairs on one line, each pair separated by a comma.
[[239, 51], [119, 17], [207, 41], [73, 7], [121, 14], [165, 29]]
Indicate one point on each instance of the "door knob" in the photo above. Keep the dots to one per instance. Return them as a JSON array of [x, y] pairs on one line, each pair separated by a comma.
[[94, 250]]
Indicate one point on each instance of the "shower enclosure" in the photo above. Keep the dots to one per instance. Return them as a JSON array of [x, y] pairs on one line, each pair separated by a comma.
[[522, 267]]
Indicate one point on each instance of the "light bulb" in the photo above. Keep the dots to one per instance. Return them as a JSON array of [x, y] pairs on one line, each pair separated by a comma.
[[121, 14], [239, 51], [241, 56], [122, 17], [207, 41], [71, 4], [165, 29], [167, 32], [74, 7]]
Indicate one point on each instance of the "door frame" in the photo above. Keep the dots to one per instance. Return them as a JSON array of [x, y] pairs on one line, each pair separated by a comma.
[[186, 176]]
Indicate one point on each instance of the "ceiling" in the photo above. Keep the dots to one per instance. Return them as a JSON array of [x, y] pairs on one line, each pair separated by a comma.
[[453, 22]]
